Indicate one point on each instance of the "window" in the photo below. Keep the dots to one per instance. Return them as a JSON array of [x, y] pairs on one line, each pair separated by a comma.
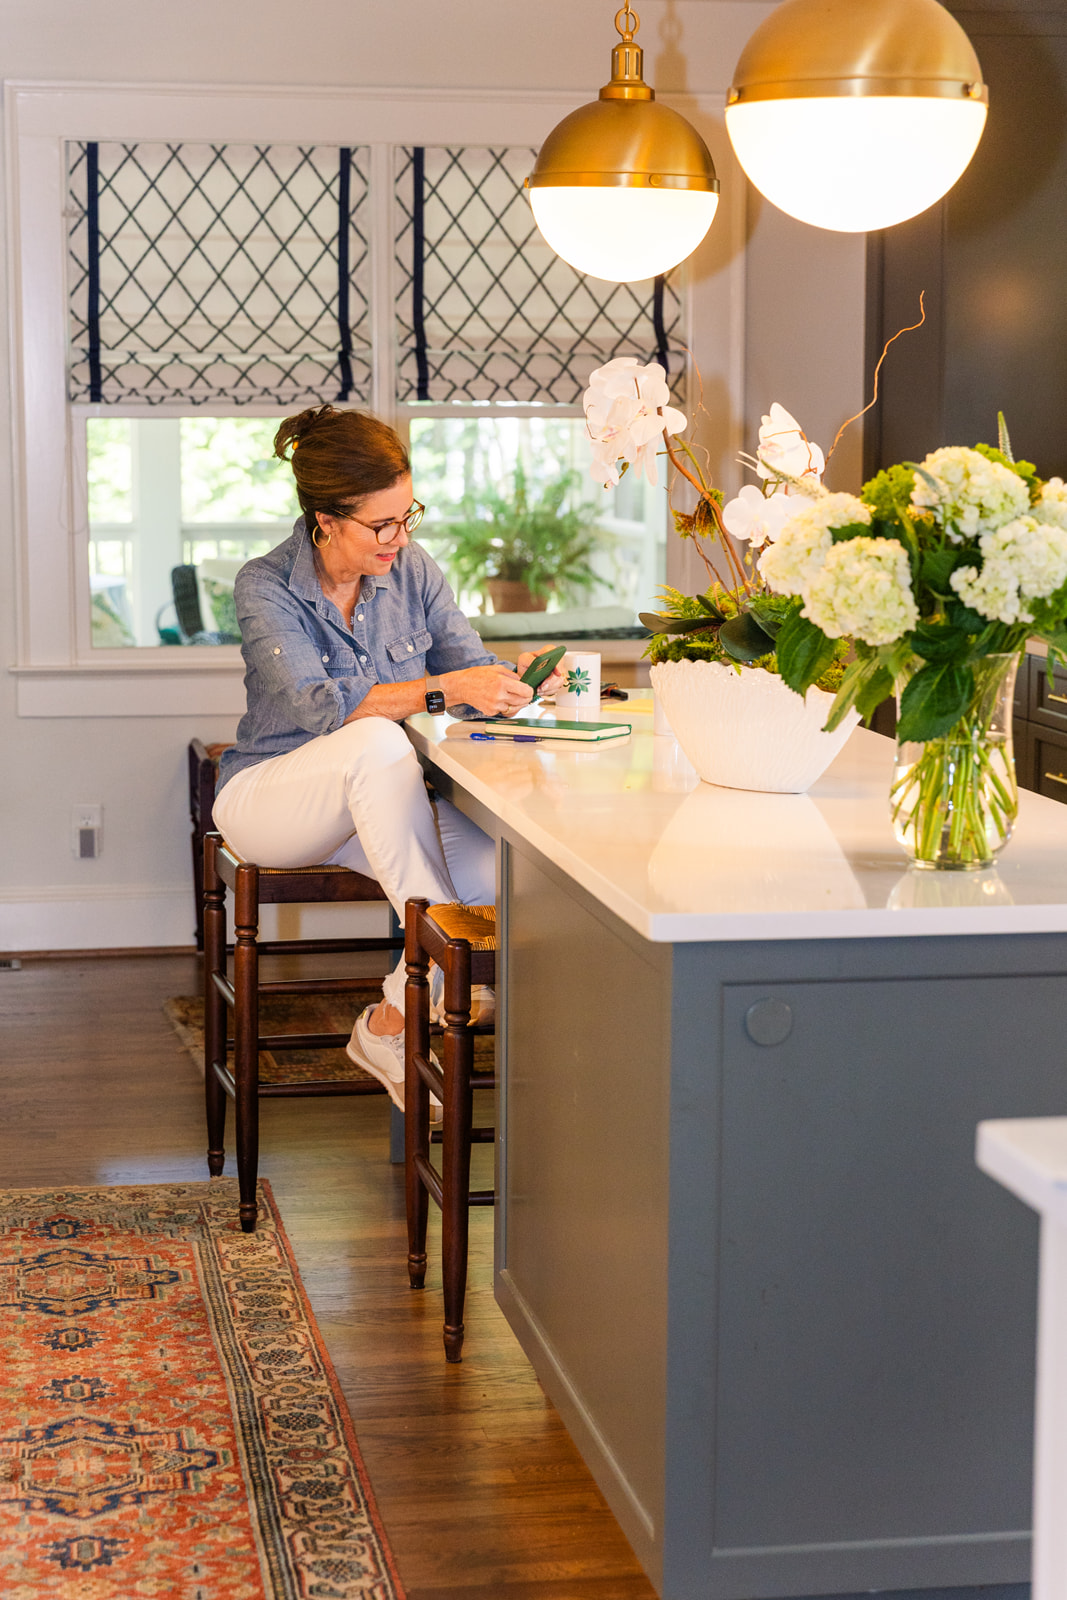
[[86, 540], [201, 493]]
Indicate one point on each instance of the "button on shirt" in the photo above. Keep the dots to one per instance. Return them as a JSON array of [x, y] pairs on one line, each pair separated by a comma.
[[305, 671]]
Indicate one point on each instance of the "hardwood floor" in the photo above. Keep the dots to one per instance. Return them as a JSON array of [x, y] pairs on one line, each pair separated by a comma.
[[482, 1493]]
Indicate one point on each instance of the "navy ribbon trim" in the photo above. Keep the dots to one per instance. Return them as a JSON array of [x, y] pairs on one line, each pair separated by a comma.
[[92, 219], [658, 324], [344, 354], [418, 248]]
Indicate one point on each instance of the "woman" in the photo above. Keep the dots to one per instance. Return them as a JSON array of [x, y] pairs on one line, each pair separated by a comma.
[[347, 628]]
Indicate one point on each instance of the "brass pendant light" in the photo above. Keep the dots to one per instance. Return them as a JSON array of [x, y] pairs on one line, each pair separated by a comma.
[[624, 188], [855, 114]]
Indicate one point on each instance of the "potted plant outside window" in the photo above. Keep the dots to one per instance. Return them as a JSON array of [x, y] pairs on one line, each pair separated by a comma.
[[515, 548]]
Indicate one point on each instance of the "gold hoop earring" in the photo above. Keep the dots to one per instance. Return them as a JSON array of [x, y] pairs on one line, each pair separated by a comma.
[[317, 542]]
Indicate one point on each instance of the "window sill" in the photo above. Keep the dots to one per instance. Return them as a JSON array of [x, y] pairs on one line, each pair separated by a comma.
[[116, 688]]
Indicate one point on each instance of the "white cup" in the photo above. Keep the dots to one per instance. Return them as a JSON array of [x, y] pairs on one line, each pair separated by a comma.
[[580, 694]]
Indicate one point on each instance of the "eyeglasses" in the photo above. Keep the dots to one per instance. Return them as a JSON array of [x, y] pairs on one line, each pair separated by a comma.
[[386, 532]]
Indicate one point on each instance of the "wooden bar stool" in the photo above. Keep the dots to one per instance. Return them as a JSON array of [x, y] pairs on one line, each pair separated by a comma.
[[462, 941], [203, 777], [253, 886]]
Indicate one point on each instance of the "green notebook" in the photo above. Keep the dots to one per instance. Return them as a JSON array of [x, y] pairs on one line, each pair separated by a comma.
[[548, 726]]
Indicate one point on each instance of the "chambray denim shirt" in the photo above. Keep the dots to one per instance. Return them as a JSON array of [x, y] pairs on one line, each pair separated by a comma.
[[305, 671]]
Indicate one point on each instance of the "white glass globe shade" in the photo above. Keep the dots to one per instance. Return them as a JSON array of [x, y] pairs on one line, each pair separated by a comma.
[[622, 234], [855, 163]]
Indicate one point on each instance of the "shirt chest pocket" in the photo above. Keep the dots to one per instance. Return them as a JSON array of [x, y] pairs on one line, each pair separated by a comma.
[[341, 661], [410, 649]]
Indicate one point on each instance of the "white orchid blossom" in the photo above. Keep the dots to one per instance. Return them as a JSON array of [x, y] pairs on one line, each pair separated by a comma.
[[627, 409], [784, 448], [757, 517]]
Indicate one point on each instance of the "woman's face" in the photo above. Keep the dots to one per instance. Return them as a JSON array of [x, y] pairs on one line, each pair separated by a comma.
[[354, 549]]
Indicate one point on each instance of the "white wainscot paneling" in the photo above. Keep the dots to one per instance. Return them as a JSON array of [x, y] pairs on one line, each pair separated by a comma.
[[145, 916]]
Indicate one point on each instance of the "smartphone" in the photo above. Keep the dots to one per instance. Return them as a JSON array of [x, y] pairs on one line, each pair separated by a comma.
[[544, 664]]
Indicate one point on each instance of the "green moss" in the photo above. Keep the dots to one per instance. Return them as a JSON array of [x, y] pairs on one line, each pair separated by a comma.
[[705, 646]]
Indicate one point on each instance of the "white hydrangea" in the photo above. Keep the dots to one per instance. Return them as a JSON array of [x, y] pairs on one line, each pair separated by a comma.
[[1051, 504], [863, 592], [970, 494], [798, 554], [1025, 560], [992, 591]]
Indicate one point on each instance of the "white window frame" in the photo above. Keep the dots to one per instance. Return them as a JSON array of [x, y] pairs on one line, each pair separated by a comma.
[[58, 673]]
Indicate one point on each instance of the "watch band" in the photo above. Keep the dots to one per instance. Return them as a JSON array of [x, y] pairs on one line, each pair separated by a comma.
[[435, 700]]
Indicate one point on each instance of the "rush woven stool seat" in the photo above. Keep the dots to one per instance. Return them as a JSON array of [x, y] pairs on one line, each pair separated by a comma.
[[462, 942], [253, 886]]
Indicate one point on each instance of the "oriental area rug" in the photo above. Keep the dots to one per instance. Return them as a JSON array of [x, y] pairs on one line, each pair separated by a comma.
[[283, 1013], [170, 1424], [301, 1014]]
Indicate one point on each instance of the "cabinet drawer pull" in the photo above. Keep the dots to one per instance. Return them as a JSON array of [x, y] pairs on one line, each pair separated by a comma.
[[1060, 699], [1055, 777]]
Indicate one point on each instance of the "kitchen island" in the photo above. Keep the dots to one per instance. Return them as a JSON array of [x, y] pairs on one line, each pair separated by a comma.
[[740, 1234]]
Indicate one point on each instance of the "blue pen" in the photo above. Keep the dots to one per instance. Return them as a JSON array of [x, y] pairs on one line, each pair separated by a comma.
[[507, 738]]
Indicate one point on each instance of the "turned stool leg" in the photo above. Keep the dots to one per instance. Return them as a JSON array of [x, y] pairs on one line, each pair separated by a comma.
[[246, 1039], [457, 1062], [214, 915], [416, 1094]]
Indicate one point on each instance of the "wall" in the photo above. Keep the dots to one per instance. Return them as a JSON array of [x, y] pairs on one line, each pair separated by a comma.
[[803, 340]]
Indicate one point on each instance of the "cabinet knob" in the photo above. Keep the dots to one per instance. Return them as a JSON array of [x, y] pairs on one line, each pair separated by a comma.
[[769, 1021]]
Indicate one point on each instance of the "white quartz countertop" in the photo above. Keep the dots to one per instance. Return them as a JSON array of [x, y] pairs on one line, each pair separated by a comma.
[[680, 860], [1028, 1155]]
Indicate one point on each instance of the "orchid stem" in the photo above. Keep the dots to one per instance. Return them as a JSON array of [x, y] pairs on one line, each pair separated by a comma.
[[724, 538]]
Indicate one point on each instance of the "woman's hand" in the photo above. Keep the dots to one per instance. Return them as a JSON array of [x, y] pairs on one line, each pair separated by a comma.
[[494, 690], [549, 685]]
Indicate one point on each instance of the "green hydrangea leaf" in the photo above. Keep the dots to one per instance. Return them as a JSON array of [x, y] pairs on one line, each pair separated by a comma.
[[937, 567], [878, 687], [936, 641], [804, 652], [957, 615], [934, 700]]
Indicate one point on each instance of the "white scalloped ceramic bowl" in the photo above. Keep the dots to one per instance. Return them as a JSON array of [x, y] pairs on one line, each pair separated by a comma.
[[747, 729]]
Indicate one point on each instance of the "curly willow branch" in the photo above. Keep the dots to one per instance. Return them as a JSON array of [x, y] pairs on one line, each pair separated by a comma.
[[873, 401]]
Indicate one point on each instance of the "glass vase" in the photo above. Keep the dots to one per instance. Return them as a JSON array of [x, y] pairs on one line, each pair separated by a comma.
[[954, 799]]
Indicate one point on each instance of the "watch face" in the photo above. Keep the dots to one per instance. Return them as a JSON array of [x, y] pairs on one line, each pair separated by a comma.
[[435, 702]]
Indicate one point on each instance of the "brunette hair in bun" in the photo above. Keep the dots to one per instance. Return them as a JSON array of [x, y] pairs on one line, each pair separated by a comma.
[[342, 456]]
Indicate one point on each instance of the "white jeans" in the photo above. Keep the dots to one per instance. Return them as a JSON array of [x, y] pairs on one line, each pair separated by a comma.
[[356, 798]]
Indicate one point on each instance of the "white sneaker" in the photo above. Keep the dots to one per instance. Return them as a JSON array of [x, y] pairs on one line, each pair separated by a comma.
[[483, 1007], [382, 1055]]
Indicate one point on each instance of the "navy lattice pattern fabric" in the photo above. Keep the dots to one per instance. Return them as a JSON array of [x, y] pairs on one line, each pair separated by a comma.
[[485, 310], [218, 273]]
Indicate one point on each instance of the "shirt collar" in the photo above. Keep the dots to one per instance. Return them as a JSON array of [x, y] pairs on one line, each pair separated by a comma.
[[304, 580]]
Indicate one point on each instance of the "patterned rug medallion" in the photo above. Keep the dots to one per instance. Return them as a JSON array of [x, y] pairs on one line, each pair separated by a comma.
[[170, 1424]]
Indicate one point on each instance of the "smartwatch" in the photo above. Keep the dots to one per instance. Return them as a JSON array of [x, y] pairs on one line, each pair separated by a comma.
[[435, 700]]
